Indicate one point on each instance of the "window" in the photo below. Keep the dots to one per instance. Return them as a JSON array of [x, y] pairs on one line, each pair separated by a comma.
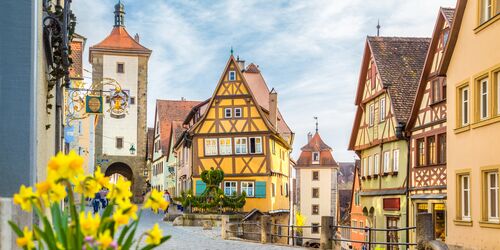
[[464, 107], [315, 158], [395, 160], [465, 197], [120, 68], [241, 145], [132, 100], [255, 145], [273, 147], [498, 84], [237, 112], [230, 188], [232, 75], [248, 188], [210, 146], [376, 163], [365, 166], [483, 98], [421, 152], [442, 148], [119, 142], [356, 198], [315, 209], [315, 192], [370, 163], [228, 113], [492, 193], [315, 228], [286, 190], [486, 10], [386, 161], [273, 190], [436, 91], [315, 175], [225, 146], [382, 110], [431, 150], [371, 116]]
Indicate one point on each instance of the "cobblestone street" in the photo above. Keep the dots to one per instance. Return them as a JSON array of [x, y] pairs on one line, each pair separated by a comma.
[[196, 237]]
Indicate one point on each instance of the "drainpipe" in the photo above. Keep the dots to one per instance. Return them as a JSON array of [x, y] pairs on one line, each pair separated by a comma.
[[400, 134]]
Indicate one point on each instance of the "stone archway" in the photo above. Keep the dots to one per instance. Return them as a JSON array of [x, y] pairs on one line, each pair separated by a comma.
[[121, 169]]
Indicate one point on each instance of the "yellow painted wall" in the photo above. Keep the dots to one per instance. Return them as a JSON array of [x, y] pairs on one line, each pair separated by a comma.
[[474, 146]]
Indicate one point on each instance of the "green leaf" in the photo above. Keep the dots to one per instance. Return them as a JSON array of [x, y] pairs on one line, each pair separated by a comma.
[[45, 237], [60, 228], [123, 233], [16, 229], [151, 246]]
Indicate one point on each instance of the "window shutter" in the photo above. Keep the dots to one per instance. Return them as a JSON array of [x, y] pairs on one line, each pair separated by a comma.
[[200, 187], [260, 189]]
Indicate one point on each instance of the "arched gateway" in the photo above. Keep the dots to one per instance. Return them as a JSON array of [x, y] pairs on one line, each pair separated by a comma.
[[120, 168]]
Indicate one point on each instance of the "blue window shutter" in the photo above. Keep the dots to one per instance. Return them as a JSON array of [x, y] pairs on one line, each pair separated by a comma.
[[260, 189], [200, 187]]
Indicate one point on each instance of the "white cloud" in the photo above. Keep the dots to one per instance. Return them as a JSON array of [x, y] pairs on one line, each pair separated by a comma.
[[309, 50]]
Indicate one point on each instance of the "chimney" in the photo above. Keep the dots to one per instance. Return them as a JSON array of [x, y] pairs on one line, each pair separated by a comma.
[[136, 37], [309, 137], [273, 108], [241, 64]]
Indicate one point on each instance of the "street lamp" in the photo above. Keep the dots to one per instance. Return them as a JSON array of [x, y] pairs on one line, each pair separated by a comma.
[[132, 149]]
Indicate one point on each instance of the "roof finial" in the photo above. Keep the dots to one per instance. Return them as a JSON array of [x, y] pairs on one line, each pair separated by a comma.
[[316, 118], [232, 50], [378, 27], [119, 14]]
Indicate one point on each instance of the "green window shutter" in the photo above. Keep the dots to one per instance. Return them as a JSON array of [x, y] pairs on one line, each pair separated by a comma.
[[260, 189], [200, 187]]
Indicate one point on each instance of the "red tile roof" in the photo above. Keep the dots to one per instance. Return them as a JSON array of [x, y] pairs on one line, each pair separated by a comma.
[[448, 14], [400, 61], [120, 40], [261, 91], [171, 114], [77, 47], [316, 144]]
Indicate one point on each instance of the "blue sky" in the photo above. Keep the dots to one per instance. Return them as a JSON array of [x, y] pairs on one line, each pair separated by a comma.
[[309, 51]]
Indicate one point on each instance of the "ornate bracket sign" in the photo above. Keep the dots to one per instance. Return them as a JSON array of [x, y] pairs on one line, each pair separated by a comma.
[[93, 104], [82, 102]]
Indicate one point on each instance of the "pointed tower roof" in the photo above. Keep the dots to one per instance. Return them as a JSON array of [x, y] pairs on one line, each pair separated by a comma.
[[119, 40], [316, 144]]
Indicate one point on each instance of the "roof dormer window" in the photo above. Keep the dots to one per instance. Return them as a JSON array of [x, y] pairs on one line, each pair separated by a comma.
[[232, 75], [315, 158]]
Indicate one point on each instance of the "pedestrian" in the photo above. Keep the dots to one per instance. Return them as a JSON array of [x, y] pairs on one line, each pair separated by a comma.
[[166, 196], [104, 201], [96, 201]]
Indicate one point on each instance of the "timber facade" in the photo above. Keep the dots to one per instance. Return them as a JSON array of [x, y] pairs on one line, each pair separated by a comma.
[[427, 129]]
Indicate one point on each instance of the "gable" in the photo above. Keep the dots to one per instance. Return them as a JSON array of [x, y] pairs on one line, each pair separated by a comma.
[[235, 96]]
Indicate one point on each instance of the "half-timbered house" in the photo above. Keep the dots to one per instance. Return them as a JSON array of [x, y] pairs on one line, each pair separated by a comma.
[[390, 71], [241, 131], [427, 128]]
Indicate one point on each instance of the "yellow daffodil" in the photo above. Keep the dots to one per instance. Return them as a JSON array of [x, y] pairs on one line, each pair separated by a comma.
[[154, 235], [121, 190], [120, 218], [100, 178], [156, 201], [65, 166], [24, 198], [127, 208], [86, 185], [89, 224], [104, 240], [57, 193], [27, 240], [43, 189]]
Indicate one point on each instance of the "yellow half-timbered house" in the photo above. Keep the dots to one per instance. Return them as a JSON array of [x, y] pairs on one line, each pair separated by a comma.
[[241, 131]]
